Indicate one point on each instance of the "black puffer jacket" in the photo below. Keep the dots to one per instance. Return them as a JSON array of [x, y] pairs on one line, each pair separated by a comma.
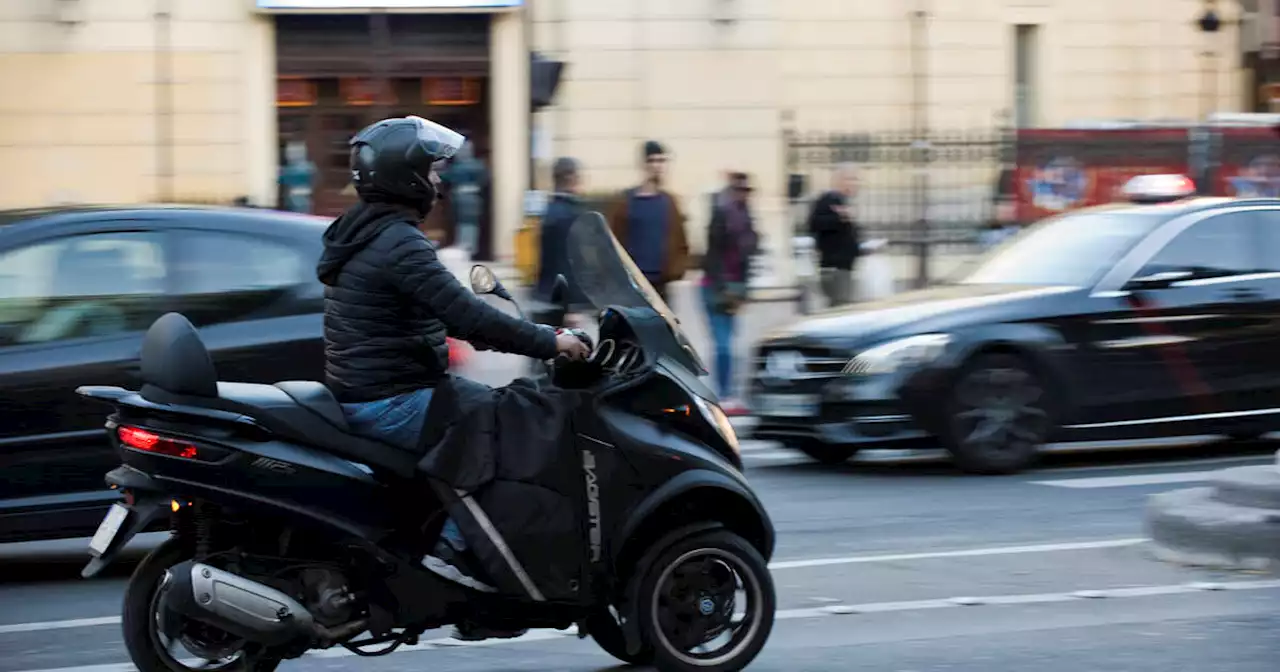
[[390, 303]]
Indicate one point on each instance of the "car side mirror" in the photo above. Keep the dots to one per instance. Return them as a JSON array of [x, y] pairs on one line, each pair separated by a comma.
[[1161, 280]]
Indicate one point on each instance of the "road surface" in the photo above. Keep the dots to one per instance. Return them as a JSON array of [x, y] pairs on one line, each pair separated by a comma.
[[885, 565]]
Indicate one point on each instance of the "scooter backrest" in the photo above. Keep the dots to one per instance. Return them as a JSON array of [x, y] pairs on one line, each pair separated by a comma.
[[175, 360]]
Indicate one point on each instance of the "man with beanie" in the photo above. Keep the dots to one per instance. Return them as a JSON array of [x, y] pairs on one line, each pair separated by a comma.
[[389, 304], [647, 220]]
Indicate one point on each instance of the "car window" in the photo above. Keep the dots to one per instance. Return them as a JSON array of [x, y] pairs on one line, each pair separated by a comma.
[[1217, 247], [1073, 249], [1268, 237], [213, 262], [79, 286], [223, 277]]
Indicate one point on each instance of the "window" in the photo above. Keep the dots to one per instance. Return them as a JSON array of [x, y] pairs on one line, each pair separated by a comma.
[[1217, 247], [1026, 47], [1074, 249], [1268, 227], [219, 263], [220, 277], [80, 286]]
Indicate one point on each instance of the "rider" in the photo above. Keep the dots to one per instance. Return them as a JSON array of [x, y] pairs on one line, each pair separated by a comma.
[[390, 303]]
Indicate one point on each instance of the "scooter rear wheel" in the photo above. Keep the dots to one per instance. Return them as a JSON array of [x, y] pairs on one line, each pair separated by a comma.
[[141, 618]]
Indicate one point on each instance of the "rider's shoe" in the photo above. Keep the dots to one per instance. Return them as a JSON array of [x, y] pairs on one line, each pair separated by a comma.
[[449, 563], [471, 632]]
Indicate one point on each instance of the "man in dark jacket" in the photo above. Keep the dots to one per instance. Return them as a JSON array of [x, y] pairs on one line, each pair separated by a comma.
[[836, 237], [553, 237], [390, 303]]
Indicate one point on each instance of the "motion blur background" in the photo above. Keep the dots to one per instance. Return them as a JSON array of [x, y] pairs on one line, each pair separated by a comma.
[[117, 101]]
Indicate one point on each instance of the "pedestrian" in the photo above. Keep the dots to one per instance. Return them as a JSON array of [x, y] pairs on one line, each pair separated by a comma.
[[835, 235], [553, 246], [296, 177], [647, 220], [466, 176], [731, 242]]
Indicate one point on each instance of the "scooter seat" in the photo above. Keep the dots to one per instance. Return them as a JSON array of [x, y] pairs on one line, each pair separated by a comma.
[[177, 369], [307, 412]]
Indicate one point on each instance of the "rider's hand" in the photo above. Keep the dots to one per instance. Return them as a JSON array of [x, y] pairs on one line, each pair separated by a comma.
[[571, 346]]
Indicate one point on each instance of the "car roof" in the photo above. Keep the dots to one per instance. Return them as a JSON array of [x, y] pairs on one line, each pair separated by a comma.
[[245, 219], [1172, 209]]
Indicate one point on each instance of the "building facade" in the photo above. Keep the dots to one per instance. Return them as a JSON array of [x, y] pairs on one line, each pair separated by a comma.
[[718, 81], [196, 100]]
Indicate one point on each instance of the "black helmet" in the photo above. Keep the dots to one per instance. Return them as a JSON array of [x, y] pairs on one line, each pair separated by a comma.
[[392, 159]]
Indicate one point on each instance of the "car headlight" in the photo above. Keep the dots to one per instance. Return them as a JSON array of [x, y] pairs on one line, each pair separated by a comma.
[[891, 356], [715, 415]]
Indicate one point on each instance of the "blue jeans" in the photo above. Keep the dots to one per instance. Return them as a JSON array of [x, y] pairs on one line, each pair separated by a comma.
[[722, 325], [398, 421]]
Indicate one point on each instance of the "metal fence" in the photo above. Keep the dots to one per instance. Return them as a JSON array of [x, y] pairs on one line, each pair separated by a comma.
[[935, 192], [936, 189]]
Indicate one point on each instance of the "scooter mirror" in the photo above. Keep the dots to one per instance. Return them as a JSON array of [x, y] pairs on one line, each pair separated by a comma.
[[483, 281]]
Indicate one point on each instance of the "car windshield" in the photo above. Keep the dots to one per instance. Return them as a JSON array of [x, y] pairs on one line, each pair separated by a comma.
[[608, 277], [1073, 249]]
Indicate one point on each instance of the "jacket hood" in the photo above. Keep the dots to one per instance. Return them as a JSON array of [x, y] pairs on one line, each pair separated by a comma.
[[354, 230]]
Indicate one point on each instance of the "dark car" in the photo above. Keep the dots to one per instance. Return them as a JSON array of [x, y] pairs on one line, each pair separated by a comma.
[[79, 287], [1115, 322]]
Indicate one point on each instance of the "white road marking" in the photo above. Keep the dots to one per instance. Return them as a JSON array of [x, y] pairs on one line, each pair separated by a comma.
[[1240, 460], [1057, 547], [962, 553], [978, 602], [1131, 480], [59, 625]]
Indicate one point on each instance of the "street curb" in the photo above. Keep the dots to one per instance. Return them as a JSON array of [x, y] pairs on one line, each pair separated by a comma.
[[1196, 527]]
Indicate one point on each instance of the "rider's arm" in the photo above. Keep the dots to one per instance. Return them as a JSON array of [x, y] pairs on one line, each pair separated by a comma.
[[417, 271]]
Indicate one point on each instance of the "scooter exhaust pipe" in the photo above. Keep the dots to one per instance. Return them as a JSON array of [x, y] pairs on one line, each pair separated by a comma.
[[244, 608]]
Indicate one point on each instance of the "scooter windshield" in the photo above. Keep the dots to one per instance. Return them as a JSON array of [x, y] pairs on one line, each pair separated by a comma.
[[608, 277]]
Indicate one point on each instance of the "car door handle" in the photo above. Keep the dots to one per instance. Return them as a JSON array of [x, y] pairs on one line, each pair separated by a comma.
[[1244, 293]]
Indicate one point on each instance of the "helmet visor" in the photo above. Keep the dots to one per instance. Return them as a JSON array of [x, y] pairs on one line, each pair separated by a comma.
[[438, 142]]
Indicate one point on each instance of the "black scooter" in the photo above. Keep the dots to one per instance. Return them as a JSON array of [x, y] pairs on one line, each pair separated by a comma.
[[291, 534]]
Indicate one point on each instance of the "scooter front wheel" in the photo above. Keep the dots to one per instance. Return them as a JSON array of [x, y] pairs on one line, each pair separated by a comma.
[[607, 633], [707, 603]]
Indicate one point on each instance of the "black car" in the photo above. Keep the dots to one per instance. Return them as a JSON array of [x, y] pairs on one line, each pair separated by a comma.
[[1115, 322], [79, 287]]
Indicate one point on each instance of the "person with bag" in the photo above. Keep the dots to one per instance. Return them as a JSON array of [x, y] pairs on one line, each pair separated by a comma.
[[731, 241]]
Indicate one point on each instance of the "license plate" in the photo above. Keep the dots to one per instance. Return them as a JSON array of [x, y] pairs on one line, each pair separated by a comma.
[[107, 530], [787, 405]]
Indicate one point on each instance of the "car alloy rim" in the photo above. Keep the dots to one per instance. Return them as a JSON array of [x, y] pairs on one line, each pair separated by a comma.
[[696, 601], [1000, 410]]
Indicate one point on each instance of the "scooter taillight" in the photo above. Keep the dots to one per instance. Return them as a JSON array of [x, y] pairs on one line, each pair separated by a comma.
[[141, 439]]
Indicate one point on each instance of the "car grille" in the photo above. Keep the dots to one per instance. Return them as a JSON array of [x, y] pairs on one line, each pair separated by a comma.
[[799, 363]]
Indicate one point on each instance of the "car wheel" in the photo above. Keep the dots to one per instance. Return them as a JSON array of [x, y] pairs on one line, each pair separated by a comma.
[[998, 415], [707, 603], [145, 623], [825, 453]]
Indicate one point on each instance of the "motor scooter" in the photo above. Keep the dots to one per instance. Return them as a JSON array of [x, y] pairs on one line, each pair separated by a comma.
[[289, 533]]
